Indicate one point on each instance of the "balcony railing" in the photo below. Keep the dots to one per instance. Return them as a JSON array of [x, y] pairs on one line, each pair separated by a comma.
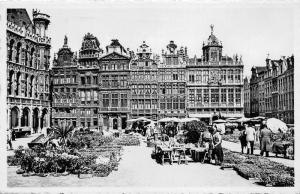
[[114, 109]]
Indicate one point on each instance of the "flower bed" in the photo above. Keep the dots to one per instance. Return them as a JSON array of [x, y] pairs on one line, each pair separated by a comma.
[[258, 167], [81, 155], [127, 140]]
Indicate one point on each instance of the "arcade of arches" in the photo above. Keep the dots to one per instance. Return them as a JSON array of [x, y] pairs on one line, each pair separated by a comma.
[[34, 118]]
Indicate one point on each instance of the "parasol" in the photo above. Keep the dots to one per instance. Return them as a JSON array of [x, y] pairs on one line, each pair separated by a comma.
[[243, 119], [259, 118], [219, 121], [165, 120], [276, 125]]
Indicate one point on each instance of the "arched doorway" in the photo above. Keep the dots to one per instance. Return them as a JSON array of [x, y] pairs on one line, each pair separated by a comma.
[[25, 118], [14, 118], [35, 119]]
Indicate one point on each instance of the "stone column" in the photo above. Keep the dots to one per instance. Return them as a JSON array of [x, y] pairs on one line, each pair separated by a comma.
[[119, 122], [9, 118], [20, 117], [39, 121], [110, 121]]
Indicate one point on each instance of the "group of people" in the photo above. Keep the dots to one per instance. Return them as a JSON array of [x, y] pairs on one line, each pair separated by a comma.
[[249, 135], [211, 140]]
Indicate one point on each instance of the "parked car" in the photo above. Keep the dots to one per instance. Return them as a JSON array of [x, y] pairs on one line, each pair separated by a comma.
[[22, 131]]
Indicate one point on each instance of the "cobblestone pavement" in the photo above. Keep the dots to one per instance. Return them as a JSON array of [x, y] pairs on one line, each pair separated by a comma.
[[137, 169], [236, 147]]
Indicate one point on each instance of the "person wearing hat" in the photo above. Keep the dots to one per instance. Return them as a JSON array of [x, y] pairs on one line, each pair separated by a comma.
[[265, 139], [217, 144]]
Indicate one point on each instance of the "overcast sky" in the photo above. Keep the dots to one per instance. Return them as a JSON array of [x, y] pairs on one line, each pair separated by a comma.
[[250, 30]]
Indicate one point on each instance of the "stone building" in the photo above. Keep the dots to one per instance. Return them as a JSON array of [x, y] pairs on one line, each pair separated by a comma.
[[246, 97], [88, 76], [28, 54], [256, 85], [144, 84], [64, 84], [214, 83], [114, 87], [272, 89], [172, 82]]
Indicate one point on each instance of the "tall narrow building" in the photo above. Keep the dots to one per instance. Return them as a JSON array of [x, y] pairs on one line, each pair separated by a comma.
[[64, 86], [88, 75], [28, 55], [144, 84], [172, 83], [114, 87]]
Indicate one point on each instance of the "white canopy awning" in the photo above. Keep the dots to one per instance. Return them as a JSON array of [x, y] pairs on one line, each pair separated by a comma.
[[198, 115]]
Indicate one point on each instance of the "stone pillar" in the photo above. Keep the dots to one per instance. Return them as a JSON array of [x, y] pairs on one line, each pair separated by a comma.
[[39, 121], [119, 122], [9, 118], [110, 123], [20, 117]]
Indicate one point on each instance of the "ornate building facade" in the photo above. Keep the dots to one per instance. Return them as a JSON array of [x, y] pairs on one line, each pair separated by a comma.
[[28, 54], [64, 87], [272, 89], [214, 83], [172, 82], [88, 76], [144, 84], [246, 97], [114, 87]]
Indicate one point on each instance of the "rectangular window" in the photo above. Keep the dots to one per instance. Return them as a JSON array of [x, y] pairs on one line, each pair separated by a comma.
[[230, 95], [134, 89], [230, 76], [134, 104], [95, 80], [223, 76], [141, 104], [88, 96], [181, 89], [182, 103], [205, 76], [238, 95], [206, 96], [175, 103], [162, 104], [141, 89], [147, 89], [123, 100], [169, 103], [105, 81], [82, 80], [88, 80], [82, 95], [175, 76], [95, 96], [192, 78], [169, 89], [154, 89], [114, 82], [192, 97], [223, 95], [147, 104], [95, 122], [175, 89], [199, 97], [114, 100], [105, 100], [199, 76], [154, 104], [214, 95]]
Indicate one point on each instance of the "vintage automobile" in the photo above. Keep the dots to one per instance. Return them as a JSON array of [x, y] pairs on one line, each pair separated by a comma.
[[22, 131]]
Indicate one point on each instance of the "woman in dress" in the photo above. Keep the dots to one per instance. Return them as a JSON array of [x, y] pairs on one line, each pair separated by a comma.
[[265, 140], [218, 151]]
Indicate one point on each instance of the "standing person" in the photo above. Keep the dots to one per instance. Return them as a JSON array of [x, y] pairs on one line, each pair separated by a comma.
[[242, 137], [265, 140], [250, 137], [218, 151], [13, 135], [207, 143], [9, 136]]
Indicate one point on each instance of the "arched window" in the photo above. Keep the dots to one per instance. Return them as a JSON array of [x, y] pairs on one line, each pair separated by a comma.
[[10, 50], [18, 52], [31, 57]]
